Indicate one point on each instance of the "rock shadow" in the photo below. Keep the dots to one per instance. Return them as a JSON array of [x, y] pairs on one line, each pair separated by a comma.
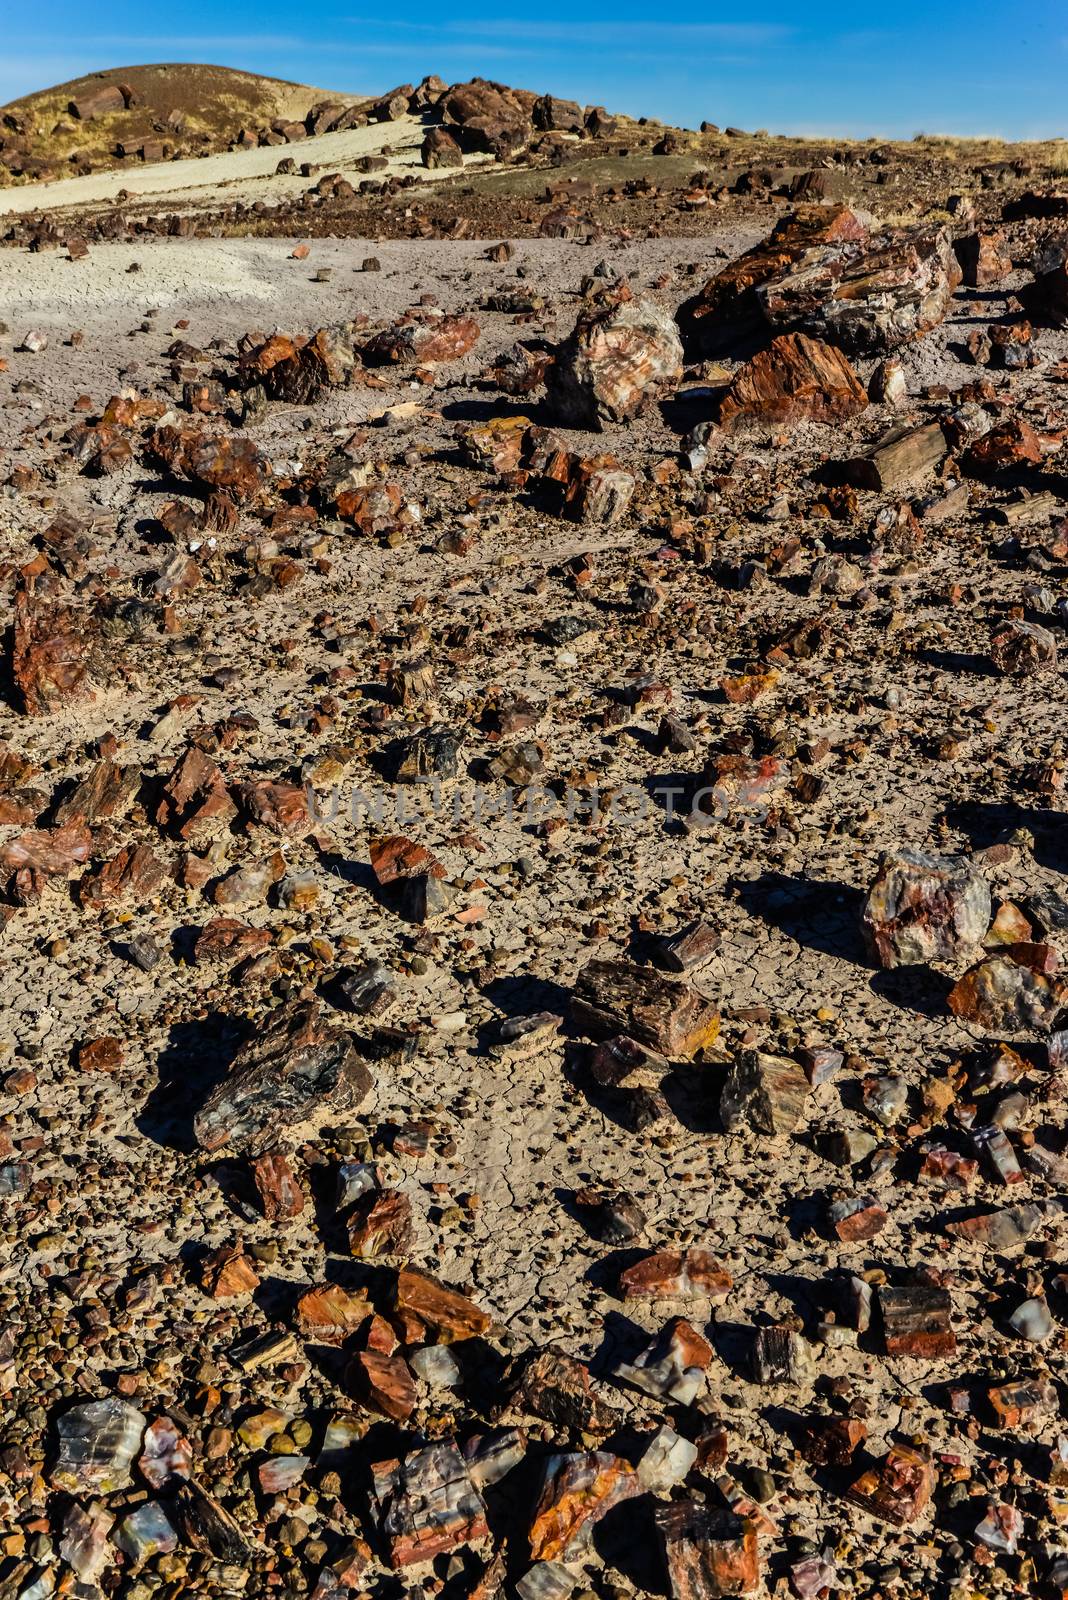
[[987, 822], [195, 1058], [820, 915], [917, 989]]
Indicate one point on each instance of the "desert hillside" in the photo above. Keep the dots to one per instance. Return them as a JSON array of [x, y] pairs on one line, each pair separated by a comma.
[[175, 108]]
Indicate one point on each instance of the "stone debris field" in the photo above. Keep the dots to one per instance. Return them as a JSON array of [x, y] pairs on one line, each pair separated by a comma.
[[534, 890]]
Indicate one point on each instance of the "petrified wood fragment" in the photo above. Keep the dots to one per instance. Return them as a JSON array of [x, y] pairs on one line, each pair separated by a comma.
[[294, 1066]]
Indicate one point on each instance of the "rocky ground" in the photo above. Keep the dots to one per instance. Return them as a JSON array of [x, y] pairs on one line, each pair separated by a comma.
[[533, 879]]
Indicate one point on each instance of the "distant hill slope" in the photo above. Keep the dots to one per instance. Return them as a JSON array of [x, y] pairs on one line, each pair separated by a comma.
[[174, 108]]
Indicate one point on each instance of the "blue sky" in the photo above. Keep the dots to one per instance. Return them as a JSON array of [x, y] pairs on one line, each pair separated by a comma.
[[818, 67]]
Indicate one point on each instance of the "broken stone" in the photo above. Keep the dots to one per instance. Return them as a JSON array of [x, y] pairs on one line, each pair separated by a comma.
[[1023, 1403], [556, 1387], [796, 379], [1031, 1320], [166, 1454], [430, 753], [427, 1504], [780, 1355], [423, 341], [577, 1491], [296, 1065], [439, 149], [107, 792], [813, 1576], [832, 1441], [925, 908], [709, 1554], [622, 1061], [916, 1321], [383, 1383], [666, 1461], [492, 1456], [30, 859], [445, 1314], [1023, 648], [299, 372], [369, 990], [613, 997], [689, 948], [992, 1143], [885, 1098], [610, 1214], [145, 1532], [820, 1064], [1001, 1529], [546, 1580], [396, 858], [227, 1272], [763, 1092], [615, 359], [518, 1039], [859, 1217], [227, 939], [279, 808], [330, 1315], [55, 655], [902, 458], [866, 298], [672, 1274], [1047, 296], [887, 385], [212, 461], [250, 884], [1012, 443], [195, 800], [727, 306], [672, 1366], [278, 1186], [207, 1525], [981, 260], [281, 1473], [85, 1545], [97, 1443], [1010, 991], [381, 1225], [949, 1167], [899, 1489], [1002, 1229]]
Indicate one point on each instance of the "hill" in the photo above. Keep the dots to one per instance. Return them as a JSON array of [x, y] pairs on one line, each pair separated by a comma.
[[128, 114]]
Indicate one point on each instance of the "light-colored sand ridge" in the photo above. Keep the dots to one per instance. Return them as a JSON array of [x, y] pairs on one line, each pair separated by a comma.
[[245, 175]]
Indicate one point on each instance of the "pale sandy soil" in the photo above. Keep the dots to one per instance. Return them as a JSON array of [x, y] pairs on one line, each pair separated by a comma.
[[245, 175], [791, 965]]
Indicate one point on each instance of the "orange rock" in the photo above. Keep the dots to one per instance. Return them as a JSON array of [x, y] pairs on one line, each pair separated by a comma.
[[383, 1383], [280, 1193], [53, 655], [899, 1488], [449, 1315], [674, 1274], [578, 1490], [427, 340], [710, 1554], [381, 1225], [228, 1271], [329, 1314], [796, 379], [100, 1055], [742, 691]]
